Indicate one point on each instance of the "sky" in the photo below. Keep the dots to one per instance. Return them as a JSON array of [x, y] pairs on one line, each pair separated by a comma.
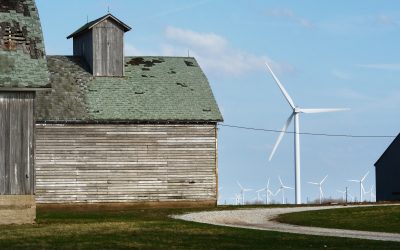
[[341, 54]]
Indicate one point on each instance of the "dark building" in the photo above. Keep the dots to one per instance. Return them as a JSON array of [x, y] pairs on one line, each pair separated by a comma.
[[387, 170]]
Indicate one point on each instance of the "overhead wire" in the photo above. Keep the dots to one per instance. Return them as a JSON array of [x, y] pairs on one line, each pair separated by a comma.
[[305, 133]]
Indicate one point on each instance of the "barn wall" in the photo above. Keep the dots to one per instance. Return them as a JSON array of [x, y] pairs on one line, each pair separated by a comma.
[[387, 171], [83, 46], [16, 143], [108, 44], [125, 163]]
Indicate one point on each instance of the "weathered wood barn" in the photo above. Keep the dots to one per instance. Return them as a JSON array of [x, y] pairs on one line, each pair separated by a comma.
[[140, 130], [23, 72], [387, 172]]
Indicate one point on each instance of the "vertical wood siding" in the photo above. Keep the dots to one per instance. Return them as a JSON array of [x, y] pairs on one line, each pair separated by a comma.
[[16, 142], [108, 47], [125, 163], [83, 46]]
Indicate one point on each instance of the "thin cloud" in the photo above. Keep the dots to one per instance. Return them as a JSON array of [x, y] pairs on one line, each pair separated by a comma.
[[386, 20], [214, 53], [198, 40], [340, 74], [384, 66], [290, 16]]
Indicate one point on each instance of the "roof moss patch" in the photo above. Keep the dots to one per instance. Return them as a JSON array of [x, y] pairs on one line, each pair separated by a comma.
[[22, 54], [152, 95]]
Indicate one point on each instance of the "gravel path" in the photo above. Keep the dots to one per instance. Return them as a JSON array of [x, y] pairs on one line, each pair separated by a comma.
[[262, 219]]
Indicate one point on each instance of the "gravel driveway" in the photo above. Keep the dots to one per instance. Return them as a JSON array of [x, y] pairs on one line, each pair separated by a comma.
[[261, 218]]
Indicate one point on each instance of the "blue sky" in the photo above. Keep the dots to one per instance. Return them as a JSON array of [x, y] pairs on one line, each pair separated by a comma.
[[341, 54]]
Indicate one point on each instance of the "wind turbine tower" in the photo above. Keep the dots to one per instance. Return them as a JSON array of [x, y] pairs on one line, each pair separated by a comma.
[[296, 111]]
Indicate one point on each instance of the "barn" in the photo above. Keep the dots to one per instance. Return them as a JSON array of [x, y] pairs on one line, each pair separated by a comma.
[[23, 74], [124, 130], [387, 172]]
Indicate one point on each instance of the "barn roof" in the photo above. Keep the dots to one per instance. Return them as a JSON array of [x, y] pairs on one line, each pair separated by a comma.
[[22, 54], [93, 23], [153, 89], [394, 148]]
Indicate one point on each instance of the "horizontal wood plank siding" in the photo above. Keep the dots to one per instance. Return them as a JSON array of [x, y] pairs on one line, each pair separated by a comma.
[[125, 163]]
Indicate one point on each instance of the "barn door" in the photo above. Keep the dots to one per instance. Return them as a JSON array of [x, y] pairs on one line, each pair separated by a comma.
[[16, 143]]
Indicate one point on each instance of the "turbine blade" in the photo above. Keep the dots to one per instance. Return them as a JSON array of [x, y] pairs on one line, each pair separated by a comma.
[[314, 183], [354, 180], [324, 179], [241, 187], [314, 111], [260, 190], [281, 134], [280, 180], [365, 176], [283, 90], [268, 184]]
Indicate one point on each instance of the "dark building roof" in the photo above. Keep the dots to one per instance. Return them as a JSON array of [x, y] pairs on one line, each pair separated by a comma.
[[394, 148], [161, 89], [22, 55], [90, 25]]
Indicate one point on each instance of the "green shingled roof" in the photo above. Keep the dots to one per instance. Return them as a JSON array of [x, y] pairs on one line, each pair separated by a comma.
[[22, 56], [153, 89]]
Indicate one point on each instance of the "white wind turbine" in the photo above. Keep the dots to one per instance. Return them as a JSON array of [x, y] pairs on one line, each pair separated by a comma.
[[282, 188], [321, 194], [258, 194], [237, 199], [268, 192], [219, 193], [296, 115], [343, 194], [352, 198], [371, 193], [362, 190], [242, 191]]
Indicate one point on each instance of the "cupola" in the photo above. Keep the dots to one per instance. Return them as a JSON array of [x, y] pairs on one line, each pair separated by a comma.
[[101, 43]]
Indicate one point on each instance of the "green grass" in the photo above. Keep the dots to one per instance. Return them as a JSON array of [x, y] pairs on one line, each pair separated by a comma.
[[376, 219], [154, 229]]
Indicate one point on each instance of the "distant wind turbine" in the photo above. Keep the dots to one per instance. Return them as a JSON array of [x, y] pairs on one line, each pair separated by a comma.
[[219, 193], [237, 199], [343, 194], [242, 191], [362, 190], [268, 192], [371, 193], [321, 194], [258, 194], [296, 115], [282, 189], [351, 197]]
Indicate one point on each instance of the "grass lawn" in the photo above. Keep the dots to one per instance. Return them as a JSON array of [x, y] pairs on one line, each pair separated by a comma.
[[153, 229], [377, 219]]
